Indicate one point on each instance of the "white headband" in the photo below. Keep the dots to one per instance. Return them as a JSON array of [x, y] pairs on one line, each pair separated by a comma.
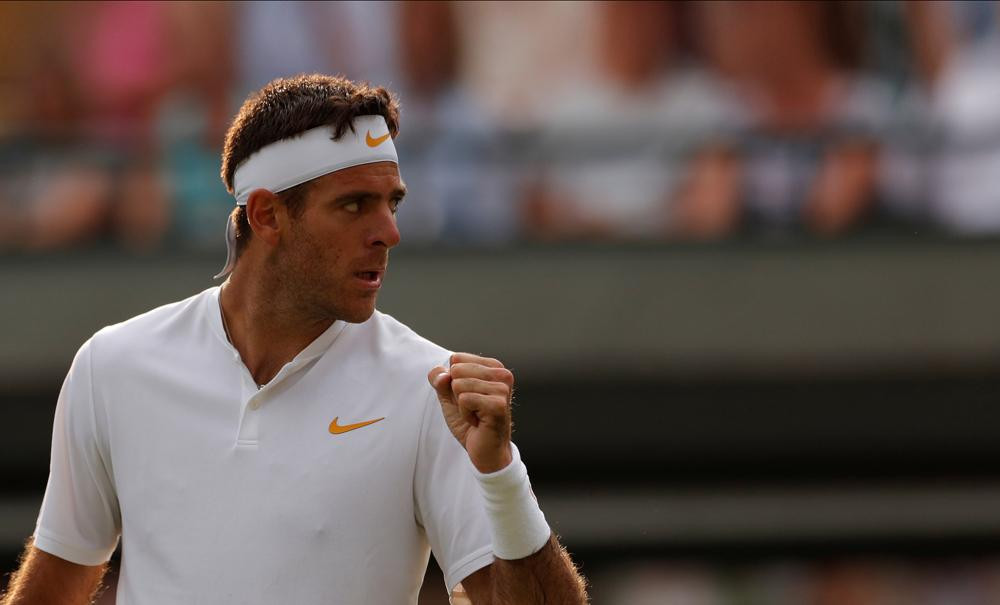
[[303, 157], [311, 154]]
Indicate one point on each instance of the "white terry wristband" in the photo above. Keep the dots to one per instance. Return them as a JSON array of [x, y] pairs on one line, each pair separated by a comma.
[[517, 524]]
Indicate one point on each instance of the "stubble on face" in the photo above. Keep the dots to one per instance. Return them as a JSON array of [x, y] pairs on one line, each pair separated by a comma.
[[307, 273], [317, 272]]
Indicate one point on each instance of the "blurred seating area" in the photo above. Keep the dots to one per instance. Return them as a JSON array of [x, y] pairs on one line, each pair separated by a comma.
[[624, 121], [860, 581]]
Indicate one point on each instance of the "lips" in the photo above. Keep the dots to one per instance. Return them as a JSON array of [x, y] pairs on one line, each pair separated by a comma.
[[370, 278]]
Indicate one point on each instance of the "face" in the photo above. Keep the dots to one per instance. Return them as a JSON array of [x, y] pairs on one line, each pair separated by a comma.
[[333, 257]]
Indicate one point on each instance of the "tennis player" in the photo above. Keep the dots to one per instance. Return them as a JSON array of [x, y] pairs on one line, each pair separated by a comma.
[[277, 439]]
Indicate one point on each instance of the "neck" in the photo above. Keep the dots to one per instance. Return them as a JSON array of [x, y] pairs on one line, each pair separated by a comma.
[[266, 328]]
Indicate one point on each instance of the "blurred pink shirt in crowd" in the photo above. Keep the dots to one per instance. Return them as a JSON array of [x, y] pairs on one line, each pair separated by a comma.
[[122, 64]]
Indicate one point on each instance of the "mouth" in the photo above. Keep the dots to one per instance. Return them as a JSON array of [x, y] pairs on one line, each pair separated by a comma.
[[371, 279]]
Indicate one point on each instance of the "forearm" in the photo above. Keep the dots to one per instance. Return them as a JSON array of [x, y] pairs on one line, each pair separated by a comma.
[[529, 565], [548, 576], [44, 579]]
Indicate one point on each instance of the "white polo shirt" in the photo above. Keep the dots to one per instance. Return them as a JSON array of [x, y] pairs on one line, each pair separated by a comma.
[[225, 494]]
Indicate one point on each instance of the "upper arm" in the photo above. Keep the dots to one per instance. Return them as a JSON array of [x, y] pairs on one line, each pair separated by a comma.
[[447, 502], [79, 519], [45, 579]]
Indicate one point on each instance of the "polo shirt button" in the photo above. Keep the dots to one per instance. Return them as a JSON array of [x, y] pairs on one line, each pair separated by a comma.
[[254, 405]]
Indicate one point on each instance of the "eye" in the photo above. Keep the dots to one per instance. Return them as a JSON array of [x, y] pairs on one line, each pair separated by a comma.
[[394, 205], [352, 207]]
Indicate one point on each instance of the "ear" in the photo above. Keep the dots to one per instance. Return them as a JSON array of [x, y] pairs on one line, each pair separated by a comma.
[[266, 215]]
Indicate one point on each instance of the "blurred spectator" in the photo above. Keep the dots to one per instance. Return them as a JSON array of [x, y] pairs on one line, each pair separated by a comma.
[[20, 52], [88, 165], [54, 191], [517, 54], [192, 118], [87, 172], [120, 55], [863, 583], [276, 39], [841, 581], [652, 584], [614, 138], [951, 174], [812, 120], [112, 114], [458, 187], [53, 195]]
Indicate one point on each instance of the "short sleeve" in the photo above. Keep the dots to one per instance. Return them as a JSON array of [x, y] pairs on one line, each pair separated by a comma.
[[448, 502], [79, 519]]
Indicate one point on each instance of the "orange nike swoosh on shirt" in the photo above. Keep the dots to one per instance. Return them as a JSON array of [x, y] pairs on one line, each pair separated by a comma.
[[337, 429], [372, 142]]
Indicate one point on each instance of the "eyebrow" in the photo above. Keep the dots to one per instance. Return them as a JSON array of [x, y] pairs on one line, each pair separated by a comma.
[[364, 195]]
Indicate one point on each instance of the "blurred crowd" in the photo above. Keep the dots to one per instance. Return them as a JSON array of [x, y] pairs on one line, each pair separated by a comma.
[[838, 581], [547, 121]]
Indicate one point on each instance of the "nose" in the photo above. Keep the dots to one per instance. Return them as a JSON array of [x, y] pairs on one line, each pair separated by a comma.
[[384, 232]]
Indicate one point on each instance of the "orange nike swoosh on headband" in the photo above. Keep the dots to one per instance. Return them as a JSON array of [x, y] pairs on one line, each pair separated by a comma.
[[375, 142], [337, 429]]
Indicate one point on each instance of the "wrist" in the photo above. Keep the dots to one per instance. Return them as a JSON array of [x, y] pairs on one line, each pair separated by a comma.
[[494, 464], [517, 524]]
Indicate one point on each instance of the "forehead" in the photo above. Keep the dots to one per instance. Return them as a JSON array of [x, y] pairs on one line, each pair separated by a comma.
[[378, 177]]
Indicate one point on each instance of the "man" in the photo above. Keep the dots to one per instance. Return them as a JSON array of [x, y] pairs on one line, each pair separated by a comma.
[[277, 440]]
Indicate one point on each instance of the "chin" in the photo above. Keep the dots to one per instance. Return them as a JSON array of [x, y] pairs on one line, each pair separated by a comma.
[[358, 315]]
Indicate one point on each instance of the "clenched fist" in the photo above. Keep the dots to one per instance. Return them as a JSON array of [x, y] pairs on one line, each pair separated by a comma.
[[475, 395]]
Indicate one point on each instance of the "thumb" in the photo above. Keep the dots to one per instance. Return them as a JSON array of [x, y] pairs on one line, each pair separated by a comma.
[[440, 379]]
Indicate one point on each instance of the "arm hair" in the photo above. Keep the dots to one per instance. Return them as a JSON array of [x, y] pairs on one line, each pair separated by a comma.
[[548, 576], [45, 579]]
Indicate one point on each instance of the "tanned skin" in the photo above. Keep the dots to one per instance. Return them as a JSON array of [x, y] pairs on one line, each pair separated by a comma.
[[475, 397], [45, 579], [548, 576]]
